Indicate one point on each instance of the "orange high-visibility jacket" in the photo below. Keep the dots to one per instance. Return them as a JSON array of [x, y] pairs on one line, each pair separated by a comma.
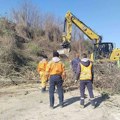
[[55, 68], [42, 66]]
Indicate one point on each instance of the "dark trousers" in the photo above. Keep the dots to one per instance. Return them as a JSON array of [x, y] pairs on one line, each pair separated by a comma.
[[56, 80], [83, 84]]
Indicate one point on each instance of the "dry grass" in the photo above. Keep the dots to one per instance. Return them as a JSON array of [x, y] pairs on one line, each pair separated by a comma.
[[107, 77], [20, 52]]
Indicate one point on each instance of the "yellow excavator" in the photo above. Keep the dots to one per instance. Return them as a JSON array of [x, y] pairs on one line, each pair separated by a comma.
[[102, 50]]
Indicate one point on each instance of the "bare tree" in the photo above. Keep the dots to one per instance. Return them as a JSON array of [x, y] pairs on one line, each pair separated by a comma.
[[52, 28], [28, 15]]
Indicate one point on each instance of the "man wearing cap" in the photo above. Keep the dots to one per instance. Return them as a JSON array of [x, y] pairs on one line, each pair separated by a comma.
[[56, 72]]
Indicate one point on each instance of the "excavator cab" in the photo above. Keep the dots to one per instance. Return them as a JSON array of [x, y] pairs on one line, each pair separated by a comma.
[[102, 50]]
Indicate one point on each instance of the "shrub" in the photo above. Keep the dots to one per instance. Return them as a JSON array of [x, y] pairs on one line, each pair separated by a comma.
[[33, 48], [107, 77]]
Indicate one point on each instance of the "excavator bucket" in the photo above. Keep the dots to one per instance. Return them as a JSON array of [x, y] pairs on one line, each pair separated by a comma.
[[64, 53]]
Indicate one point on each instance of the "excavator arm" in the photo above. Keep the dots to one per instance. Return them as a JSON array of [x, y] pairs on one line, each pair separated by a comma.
[[67, 33], [102, 51]]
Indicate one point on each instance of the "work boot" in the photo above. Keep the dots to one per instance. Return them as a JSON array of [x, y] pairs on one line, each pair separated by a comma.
[[43, 90], [82, 103], [61, 105], [82, 106], [92, 103], [51, 107]]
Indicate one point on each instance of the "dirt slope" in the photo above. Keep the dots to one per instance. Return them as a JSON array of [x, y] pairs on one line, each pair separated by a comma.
[[26, 102]]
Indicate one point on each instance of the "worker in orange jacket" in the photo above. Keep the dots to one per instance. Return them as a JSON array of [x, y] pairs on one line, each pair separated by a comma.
[[56, 72], [41, 70]]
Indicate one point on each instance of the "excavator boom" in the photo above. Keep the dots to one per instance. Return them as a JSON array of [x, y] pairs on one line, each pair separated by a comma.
[[71, 19], [101, 50], [67, 32]]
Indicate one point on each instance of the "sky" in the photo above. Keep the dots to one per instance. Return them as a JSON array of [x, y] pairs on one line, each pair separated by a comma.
[[102, 16]]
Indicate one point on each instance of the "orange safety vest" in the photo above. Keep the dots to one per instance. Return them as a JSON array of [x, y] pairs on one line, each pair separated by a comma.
[[55, 68], [42, 66], [86, 72]]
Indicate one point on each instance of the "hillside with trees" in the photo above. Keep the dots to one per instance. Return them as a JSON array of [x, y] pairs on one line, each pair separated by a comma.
[[29, 34]]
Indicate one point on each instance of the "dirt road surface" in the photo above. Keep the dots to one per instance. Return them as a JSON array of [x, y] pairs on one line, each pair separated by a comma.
[[26, 102]]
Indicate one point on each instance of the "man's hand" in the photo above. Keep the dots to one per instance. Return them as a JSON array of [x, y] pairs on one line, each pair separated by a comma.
[[76, 81], [64, 76]]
